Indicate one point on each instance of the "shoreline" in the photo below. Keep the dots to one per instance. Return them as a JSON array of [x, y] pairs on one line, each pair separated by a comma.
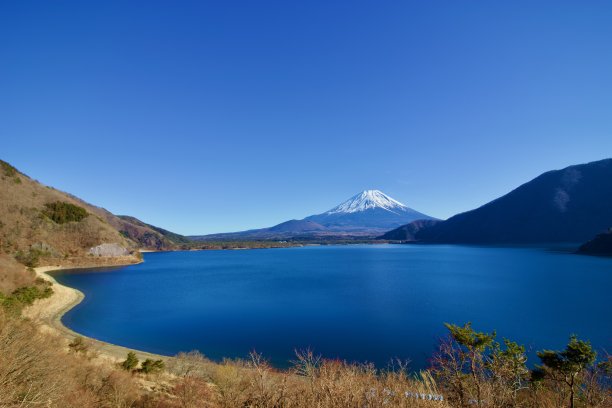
[[49, 312]]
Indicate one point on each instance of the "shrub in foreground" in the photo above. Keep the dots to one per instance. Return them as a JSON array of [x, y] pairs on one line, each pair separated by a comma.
[[131, 362], [150, 366]]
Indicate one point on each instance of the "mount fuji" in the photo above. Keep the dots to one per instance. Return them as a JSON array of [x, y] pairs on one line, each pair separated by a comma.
[[368, 210], [366, 214]]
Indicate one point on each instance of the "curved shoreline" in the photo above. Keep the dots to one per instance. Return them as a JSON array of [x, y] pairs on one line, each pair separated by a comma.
[[49, 313]]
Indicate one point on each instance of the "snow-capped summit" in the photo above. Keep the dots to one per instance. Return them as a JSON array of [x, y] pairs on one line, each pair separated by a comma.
[[365, 215], [368, 210], [368, 199]]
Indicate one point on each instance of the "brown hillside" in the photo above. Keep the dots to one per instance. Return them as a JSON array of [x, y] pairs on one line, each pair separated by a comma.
[[28, 227], [13, 275], [42, 225], [145, 236]]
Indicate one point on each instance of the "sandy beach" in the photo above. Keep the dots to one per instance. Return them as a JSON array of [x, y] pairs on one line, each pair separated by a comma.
[[48, 312]]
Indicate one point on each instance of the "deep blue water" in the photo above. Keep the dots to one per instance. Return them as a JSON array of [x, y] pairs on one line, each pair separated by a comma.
[[365, 303]]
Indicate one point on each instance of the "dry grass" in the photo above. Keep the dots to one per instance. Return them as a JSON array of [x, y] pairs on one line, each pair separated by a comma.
[[28, 230], [37, 369], [13, 275], [24, 226]]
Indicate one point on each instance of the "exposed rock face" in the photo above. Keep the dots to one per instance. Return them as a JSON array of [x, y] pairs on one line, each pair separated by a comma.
[[109, 250]]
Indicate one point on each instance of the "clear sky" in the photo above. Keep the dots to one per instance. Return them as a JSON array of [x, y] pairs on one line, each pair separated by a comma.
[[205, 117]]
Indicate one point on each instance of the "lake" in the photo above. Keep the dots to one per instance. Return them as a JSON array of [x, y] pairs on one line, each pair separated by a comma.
[[356, 302]]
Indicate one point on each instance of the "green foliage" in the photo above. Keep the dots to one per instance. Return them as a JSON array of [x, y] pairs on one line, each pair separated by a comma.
[[28, 294], [512, 358], [25, 296], [469, 361], [10, 171], [7, 169], [469, 338], [11, 305], [62, 212], [150, 366], [131, 362], [576, 357], [567, 366]]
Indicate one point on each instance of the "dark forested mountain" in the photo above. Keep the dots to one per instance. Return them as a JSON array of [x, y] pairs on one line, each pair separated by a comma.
[[600, 245], [569, 205], [409, 232], [366, 214]]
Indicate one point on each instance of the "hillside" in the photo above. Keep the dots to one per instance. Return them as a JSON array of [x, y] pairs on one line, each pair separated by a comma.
[[146, 235], [569, 205], [600, 245], [39, 224], [408, 232]]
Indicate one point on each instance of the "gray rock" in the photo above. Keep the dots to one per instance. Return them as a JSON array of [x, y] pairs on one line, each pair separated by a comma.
[[109, 250]]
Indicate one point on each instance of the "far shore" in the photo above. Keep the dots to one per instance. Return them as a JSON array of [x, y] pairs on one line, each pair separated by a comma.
[[49, 312]]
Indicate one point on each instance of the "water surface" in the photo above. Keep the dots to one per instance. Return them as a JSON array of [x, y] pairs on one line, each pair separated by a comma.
[[364, 302]]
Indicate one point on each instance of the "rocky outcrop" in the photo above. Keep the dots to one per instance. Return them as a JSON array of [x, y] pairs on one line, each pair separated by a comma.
[[113, 250]]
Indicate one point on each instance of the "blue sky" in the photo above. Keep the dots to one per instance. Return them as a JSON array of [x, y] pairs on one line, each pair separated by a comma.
[[204, 117]]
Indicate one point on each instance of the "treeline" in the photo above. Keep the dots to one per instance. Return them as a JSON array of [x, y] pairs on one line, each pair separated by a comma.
[[470, 369], [260, 244], [203, 245]]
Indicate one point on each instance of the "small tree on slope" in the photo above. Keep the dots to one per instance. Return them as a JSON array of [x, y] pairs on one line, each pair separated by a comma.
[[566, 367]]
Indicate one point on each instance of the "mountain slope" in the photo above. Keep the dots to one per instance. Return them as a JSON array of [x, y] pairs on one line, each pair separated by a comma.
[[297, 226], [146, 235], [365, 215], [568, 205], [370, 209], [409, 232], [600, 245], [39, 224]]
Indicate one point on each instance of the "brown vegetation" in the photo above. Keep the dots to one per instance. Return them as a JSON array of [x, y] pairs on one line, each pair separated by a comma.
[[13, 274], [37, 369], [41, 225]]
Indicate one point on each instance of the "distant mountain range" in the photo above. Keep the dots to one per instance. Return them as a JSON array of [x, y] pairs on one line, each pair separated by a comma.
[[366, 214], [569, 205]]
